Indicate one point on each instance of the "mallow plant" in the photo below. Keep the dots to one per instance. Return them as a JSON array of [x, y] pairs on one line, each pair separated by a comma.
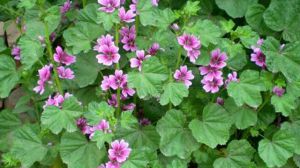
[[150, 84]]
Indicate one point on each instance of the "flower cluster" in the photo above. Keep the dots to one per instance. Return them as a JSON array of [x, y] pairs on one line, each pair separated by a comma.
[[232, 77], [114, 102], [138, 60], [108, 51], [184, 75], [257, 56], [117, 154], [192, 46], [279, 91], [64, 73], [89, 130], [118, 80], [16, 52], [57, 100], [128, 35], [213, 79]]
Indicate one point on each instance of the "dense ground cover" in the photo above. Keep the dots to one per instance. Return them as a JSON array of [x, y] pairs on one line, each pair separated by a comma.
[[150, 84]]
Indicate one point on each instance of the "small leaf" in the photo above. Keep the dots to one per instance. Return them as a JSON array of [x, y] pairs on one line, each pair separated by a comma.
[[57, 119], [176, 138], [148, 82], [137, 159], [247, 36], [214, 127], [284, 104], [98, 111], [247, 90], [100, 138], [9, 76], [174, 92], [77, 152], [276, 152]]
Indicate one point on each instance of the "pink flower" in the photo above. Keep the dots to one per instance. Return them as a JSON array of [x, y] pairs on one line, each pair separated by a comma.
[[231, 77], [212, 86], [109, 6], [57, 100], [126, 31], [155, 2], [65, 73], [16, 52], [129, 106], [104, 40], [153, 49], [218, 59], [278, 91], [118, 80], [126, 16], [44, 76], [184, 75], [189, 42], [40, 88], [119, 151], [137, 62], [105, 85], [220, 101], [129, 43], [61, 57], [66, 7], [260, 42], [210, 72], [112, 164], [193, 54], [258, 57], [144, 122], [126, 91], [81, 123], [109, 56], [103, 126], [113, 101], [175, 27]]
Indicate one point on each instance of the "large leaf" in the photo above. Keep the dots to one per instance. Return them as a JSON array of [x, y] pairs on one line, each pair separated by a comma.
[[108, 19], [140, 137], [207, 32], [173, 93], [8, 122], [98, 111], [27, 145], [282, 16], [243, 117], [247, 90], [8, 75], [137, 159], [176, 138], [278, 60], [284, 104], [238, 154], [86, 75], [213, 128], [148, 82], [235, 8], [77, 152], [57, 119], [276, 152]]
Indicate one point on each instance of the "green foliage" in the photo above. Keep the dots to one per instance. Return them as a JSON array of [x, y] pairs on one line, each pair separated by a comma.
[[9, 76], [235, 8], [173, 93]]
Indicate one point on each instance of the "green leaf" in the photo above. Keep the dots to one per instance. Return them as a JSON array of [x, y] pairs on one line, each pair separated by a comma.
[[52, 18], [127, 119], [31, 51], [236, 53], [254, 18], [191, 8], [148, 82], [206, 30], [276, 152], [281, 16], [98, 111], [176, 138], [27, 4], [137, 159], [100, 138], [174, 92], [86, 75], [57, 119], [284, 104], [243, 117], [2, 44], [9, 76], [247, 90], [89, 14], [213, 128], [238, 154], [140, 137], [227, 25], [277, 60], [77, 152], [27, 146], [108, 19], [79, 38], [8, 122], [163, 18], [235, 8], [144, 7], [247, 36], [205, 157]]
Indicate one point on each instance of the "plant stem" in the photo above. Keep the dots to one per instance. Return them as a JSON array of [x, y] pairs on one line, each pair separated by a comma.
[[264, 103], [83, 3], [137, 20], [178, 58], [50, 54]]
